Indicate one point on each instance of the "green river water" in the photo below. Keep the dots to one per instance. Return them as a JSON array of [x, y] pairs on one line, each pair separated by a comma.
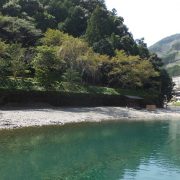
[[96, 151]]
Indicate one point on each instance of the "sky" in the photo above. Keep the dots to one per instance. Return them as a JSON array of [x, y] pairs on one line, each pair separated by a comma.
[[149, 19]]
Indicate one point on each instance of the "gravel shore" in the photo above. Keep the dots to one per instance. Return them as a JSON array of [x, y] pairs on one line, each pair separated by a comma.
[[18, 117]]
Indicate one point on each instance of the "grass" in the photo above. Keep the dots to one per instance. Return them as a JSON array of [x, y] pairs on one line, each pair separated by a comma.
[[30, 84]]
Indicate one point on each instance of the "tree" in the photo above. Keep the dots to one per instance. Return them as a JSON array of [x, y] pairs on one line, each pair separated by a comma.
[[76, 54], [104, 47], [71, 76], [76, 23], [45, 21], [14, 29], [92, 4], [72, 50], [166, 86], [130, 71], [31, 7], [99, 26], [35, 10], [142, 47], [119, 28], [127, 44], [58, 10], [2, 2], [54, 38], [156, 61], [3, 49], [4, 63], [48, 66], [88, 67], [11, 8], [17, 63]]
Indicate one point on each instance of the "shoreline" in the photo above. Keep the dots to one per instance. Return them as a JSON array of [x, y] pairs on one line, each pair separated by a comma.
[[11, 118]]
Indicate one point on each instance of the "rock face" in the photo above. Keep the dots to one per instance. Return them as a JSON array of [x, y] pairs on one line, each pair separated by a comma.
[[169, 50]]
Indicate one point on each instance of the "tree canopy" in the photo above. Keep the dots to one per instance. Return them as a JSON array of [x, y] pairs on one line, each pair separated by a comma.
[[75, 40]]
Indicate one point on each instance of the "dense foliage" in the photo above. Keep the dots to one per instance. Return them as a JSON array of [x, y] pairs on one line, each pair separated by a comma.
[[75, 41]]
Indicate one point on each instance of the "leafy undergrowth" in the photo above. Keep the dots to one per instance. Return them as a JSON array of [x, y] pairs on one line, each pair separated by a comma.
[[29, 84]]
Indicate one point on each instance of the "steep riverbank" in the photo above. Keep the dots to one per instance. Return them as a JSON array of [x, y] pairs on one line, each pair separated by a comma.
[[18, 117]]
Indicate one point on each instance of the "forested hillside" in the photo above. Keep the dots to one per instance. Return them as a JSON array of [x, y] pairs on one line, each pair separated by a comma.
[[49, 44], [169, 50]]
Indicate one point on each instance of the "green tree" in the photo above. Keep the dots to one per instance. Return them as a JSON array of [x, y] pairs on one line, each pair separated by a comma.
[[72, 50], [156, 61], [18, 30], [88, 67], [48, 67], [130, 71], [166, 86], [142, 47], [76, 23], [11, 8], [128, 44], [99, 25], [4, 63], [58, 10], [31, 7], [35, 10], [104, 47], [54, 38], [45, 21], [71, 76], [17, 60], [91, 5]]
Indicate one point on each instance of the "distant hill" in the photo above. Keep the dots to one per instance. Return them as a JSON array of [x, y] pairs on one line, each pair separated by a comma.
[[169, 50]]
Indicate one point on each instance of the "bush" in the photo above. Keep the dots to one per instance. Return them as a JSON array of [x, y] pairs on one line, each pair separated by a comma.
[[48, 66]]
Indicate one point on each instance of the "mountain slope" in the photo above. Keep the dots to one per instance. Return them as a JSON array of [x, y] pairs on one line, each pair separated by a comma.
[[169, 50]]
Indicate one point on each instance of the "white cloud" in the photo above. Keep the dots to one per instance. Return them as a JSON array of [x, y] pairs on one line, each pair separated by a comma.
[[151, 19]]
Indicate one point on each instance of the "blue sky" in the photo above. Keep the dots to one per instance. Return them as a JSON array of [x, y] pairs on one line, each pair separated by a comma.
[[151, 19]]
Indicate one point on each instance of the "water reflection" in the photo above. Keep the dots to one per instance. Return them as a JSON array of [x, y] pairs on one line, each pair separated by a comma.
[[119, 150]]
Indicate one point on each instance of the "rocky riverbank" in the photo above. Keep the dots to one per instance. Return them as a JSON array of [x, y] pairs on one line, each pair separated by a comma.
[[18, 117]]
